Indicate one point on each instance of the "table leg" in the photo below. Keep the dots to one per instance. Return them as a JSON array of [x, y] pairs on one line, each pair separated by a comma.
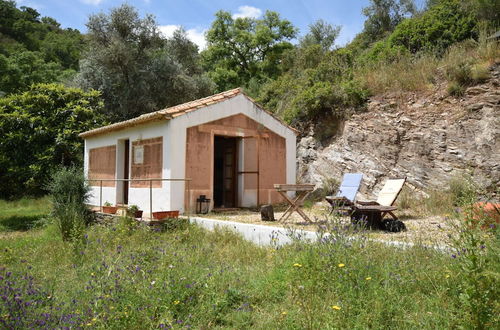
[[291, 208], [295, 206]]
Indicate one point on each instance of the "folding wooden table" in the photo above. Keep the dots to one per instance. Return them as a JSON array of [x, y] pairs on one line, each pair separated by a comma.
[[302, 191]]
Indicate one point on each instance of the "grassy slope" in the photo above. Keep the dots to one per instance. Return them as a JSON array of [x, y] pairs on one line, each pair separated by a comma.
[[22, 214], [135, 278]]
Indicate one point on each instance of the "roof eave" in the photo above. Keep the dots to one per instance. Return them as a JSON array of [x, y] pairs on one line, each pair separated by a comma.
[[148, 118]]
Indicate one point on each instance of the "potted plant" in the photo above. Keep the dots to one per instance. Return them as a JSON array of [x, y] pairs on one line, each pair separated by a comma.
[[133, 211], [108, 208], [159, 215]]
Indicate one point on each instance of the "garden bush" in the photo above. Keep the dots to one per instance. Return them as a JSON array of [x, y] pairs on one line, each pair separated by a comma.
[[444, 24], [70, 193]]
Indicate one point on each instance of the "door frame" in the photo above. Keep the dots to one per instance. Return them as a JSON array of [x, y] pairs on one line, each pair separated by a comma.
[[235, 166]]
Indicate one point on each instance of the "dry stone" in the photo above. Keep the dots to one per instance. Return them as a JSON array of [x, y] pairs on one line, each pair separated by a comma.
[[427, 137]]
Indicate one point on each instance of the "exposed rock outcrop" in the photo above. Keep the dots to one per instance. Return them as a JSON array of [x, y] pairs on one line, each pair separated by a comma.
[[427, 137]]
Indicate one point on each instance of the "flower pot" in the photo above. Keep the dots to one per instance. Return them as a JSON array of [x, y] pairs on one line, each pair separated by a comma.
[[138, 214], [109, 209], [165, 215]]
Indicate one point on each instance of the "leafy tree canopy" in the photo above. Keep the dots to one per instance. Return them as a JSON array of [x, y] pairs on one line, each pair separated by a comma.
[[436, 29], [244, 49], [321, 33], [136, 68], [39, 130], [317, 82], [382, 16], [34, 49]]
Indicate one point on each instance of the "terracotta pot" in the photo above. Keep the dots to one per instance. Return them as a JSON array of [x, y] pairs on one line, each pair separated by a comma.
[[138, 214], [165, 215], [109, 209]]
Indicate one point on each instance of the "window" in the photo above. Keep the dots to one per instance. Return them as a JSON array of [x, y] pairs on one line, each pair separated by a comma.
[[102, 165], [147, 161]]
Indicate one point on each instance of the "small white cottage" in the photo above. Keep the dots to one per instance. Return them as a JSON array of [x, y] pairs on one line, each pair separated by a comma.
[[224, 146]]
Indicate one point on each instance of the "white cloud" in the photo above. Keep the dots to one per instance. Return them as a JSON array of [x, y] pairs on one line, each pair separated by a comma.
[[92, 2], [247, 11], [195, 35], [168, 30]]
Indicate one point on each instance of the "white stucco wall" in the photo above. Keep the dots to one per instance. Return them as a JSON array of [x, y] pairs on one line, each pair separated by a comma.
[[171, 195], [137, 196]]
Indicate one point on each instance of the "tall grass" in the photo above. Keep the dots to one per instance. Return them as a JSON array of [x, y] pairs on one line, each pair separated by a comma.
[[405, 74], [189, 277], [442, 201], [462, 65]]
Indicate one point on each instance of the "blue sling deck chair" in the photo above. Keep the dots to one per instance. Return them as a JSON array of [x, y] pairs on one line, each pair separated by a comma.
[[346, 195]]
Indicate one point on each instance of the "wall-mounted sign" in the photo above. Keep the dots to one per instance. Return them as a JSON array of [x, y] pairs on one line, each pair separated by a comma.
[[139, 155]]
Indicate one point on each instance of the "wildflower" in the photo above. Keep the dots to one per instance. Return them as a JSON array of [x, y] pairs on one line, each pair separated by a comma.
[[341, 265], [176, 302], [368, 278], [297, 265], [94, 319], [153, 282], [337, 308], [447, 276], [284, 313]]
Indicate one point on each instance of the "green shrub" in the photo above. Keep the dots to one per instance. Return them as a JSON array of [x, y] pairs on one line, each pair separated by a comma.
[[480, 72], [70, 193], [436, 29], [461, 187], [461, 73], [455, 89], [39, 131]]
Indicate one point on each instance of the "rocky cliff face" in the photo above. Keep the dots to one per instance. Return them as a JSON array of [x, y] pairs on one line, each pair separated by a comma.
[[427, 137]]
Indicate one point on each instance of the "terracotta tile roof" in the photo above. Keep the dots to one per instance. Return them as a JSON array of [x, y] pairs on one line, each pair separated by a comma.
[[172, 112], [181, 109]]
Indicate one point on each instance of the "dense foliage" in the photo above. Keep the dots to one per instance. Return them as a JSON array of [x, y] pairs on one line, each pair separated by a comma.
[[444, 24], [246, 51], [39, 130], [34, 49], [136, 69]]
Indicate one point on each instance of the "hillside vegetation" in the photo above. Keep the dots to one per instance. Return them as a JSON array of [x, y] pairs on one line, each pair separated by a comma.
[[135, 69]]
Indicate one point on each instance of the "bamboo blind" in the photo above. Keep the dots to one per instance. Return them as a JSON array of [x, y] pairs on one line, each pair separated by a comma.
[[102, 165], [152, 162]]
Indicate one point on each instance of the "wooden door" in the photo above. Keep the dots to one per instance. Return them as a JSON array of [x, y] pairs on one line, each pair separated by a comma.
[[229, 173], [126, 172], [225, 174]]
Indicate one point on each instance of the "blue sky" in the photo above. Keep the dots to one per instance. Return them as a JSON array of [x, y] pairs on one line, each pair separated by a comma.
[[197, 15]]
